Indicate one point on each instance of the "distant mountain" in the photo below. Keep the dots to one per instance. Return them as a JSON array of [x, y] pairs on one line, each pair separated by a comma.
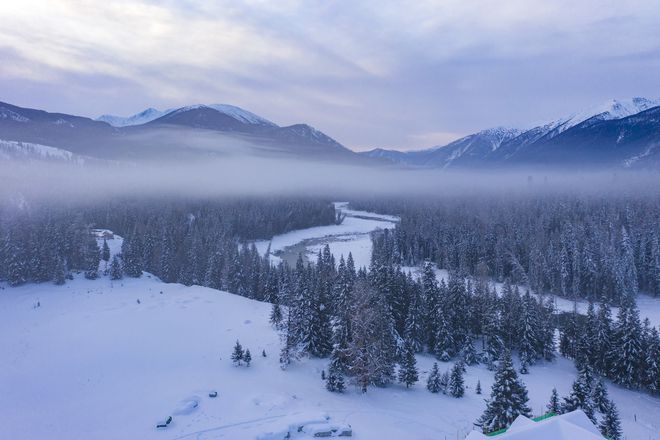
[[143, 117], [618, 133], [151, 114], [462, 152], [191, 131]]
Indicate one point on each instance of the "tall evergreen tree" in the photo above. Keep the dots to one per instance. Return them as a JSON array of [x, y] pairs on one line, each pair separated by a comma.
[[116, 270], [610, 426], [628, 354], [433, 381], [237, 354], [456, 386], [408, 371], [508, 398], [553, 406]]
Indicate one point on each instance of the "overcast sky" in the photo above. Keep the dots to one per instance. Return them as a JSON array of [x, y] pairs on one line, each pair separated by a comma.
[[368, 73]]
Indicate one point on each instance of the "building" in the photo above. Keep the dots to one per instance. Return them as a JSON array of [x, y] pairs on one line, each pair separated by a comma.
[[570, 426]]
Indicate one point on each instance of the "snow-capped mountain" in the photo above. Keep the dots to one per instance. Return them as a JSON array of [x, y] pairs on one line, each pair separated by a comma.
[[188, 132], [152, 114], [143, 117], [603, 135], [461, 152]]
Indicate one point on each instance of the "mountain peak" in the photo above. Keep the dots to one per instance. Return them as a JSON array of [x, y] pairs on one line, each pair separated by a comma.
[[151, 114]]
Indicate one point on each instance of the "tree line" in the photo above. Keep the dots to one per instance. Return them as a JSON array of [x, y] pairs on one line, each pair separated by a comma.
[[590, 247]]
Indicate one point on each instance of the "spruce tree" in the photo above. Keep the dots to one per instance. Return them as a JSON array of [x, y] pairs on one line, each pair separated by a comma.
[[444, 381], [247, 357], [553, 406], [478, 387], [59, 276], [456, 386], [469, 353], [628, 354], [276, 317], [652, 363], [237, 355], [508, 398], [599, 397], [579, 398], [92, 258], [105, 251], [433, 381], [334, 381], [610, 426], [116, 271], [408, 370]]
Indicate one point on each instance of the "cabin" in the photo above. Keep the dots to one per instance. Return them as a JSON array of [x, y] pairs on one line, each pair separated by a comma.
[[570, 426]]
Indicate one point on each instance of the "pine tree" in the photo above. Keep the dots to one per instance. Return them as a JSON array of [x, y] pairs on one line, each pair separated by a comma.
[[478, 387], [553, 405], [433, 381], [652, 363], [59, 277], [116, 272], [92, 258], [456, 386], [105, 251], [237, 355], [276, 317], [628, 354], [247, 357], [408, 371], [443, 339], [469, 353], [599, 397], [610, 426], [431, 305], [287, 352], [579, 398], [444, 381], [334, 381], [508, 398], [603, 335], [528, 334]]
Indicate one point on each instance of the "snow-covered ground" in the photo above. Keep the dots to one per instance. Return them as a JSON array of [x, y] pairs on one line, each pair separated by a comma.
[[352, 235], [91, 362]]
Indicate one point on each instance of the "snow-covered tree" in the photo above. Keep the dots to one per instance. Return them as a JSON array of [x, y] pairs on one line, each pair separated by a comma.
[[237, 354], [610, 426], [456, 386], [116, 271], [553, 406], [408, 370], [508, 398], [433, 382]]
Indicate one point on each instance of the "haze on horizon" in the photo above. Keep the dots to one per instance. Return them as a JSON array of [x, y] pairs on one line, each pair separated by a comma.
[[372, 74]]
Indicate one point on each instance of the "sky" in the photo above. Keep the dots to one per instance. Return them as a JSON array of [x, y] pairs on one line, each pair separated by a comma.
[[369, 73]]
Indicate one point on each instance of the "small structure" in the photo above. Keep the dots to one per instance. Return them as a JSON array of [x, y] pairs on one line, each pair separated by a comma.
[[213, 394], [103, 233], [570, 426]]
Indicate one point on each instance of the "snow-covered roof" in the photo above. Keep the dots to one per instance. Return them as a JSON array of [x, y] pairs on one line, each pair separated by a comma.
[[570, 426]]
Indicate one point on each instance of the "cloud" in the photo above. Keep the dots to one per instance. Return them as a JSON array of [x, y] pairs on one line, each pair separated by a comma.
[[367, 72]]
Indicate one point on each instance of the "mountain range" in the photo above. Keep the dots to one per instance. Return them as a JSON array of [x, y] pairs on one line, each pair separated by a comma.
[[195, 131], [619, 133]]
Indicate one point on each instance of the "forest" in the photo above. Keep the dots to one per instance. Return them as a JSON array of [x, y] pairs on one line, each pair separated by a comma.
[[371, 322]]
